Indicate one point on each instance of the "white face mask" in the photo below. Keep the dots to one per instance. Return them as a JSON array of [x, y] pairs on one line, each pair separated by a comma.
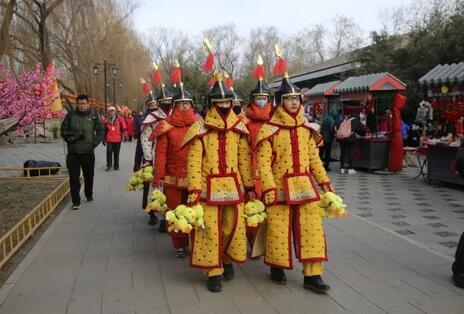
[[261, 102]]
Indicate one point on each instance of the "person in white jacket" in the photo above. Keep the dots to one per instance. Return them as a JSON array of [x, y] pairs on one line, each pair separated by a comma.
[[163, 104]]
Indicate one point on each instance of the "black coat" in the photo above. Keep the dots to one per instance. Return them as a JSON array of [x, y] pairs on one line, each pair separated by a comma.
[[460, 160]]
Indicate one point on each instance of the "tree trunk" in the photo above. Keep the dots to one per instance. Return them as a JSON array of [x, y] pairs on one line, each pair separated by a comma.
[[7, 17], [43, 36], [44, 12]]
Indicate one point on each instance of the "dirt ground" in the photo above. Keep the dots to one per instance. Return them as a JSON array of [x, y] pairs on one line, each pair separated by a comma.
[[17, 198]]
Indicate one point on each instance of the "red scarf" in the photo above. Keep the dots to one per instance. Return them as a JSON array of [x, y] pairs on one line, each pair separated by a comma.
[[255, 112], [182, 118]]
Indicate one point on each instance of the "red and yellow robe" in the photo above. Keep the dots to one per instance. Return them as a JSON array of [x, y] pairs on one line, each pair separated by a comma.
[[218, 173], [288, 165]]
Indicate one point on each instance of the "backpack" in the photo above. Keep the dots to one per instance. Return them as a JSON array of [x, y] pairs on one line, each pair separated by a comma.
[[345, 131]]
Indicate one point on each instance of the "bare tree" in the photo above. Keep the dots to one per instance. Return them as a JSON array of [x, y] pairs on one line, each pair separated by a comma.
[[226, 44], [346, 36], [307, 48], [261, 41], [7, 16], [167, 45]]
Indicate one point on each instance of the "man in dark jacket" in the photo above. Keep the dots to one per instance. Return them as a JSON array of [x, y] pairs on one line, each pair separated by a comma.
[[458, 265], [328, 134], [83, 131]]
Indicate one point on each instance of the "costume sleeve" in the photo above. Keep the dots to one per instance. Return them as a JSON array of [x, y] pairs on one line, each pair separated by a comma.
[[317, 169], [244, 162], [264, 166], [122, 126], [161, 154], [65, 130], [99, 132], [194, 163], [147, 145]]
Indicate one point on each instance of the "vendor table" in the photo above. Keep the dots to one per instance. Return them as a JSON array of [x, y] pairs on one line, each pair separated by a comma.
[[439, 159], [371, 153]]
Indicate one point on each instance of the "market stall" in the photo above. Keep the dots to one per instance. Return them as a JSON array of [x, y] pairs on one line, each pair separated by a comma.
[[444, 89], [323, 95], [371, 95]]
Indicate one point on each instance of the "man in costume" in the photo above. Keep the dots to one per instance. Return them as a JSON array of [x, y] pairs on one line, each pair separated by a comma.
[[164, 101], [218, 175], [288, 164], [257, 113], [171, 158]]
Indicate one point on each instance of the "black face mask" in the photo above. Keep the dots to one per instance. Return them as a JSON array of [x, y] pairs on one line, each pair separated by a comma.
[[223, 111], [237, 109], [165, 107]]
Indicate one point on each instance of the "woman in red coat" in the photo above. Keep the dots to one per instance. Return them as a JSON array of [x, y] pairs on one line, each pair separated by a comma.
[[171, 159], [129, 127]]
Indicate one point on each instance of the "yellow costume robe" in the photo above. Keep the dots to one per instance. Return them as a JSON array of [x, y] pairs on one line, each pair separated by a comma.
[[288, 163], [218, 173]]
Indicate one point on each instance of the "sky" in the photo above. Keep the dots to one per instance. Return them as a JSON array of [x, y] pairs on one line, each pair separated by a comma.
[[289, 16]]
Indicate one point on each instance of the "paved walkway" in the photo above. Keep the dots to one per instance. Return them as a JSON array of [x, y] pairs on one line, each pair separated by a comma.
[[105, 258]]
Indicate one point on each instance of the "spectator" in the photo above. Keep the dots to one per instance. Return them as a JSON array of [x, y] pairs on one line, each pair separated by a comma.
[[114, 134], [130, 124], [385, 122], [405, 129], [82, 130], [328, 134], [346, 136], [458, 265]]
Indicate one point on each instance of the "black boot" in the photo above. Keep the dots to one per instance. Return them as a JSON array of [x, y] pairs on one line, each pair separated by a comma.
[[459, 281], [316, 284], [278, 276], [214, 284], [228, 271], [163, 226], [153, 219]]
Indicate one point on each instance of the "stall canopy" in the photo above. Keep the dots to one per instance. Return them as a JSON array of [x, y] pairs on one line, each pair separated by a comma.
[[324, 89], [370, 83], [444, 74]]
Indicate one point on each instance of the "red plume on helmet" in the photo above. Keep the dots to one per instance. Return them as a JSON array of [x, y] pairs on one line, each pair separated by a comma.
[[208, 65], [176, 73], [209, 62], [155, 75], [145, 87], [212, 81], [259, 72], [228, 82], [281, 65]]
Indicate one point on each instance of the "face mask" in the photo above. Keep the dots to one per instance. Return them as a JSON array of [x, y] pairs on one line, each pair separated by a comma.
[[223, 111], [261, 102], [237, 109], [165, 107]]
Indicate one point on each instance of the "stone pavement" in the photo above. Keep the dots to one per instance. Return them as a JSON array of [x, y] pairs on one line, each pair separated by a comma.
[[105, 258]]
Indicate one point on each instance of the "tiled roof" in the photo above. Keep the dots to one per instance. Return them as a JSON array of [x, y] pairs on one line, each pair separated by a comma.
[[444, 73]]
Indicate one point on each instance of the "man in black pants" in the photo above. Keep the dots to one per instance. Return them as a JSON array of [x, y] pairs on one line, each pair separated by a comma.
[[82, 130], [458, 265], [328, 134]]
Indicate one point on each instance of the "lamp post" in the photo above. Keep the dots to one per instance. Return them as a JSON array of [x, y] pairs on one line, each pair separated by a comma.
[[115, 80], [105, 65]]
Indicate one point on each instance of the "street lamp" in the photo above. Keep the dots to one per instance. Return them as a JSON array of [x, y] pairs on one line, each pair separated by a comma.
[[105, 65], [114, 88]]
